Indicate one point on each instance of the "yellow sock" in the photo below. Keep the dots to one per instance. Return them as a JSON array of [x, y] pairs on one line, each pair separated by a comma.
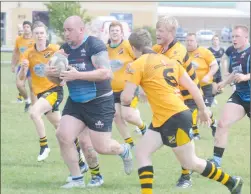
[[146, 179], [129, 141]]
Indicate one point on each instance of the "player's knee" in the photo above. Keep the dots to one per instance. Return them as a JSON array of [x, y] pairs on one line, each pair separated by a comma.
[[63, 138], [127, 116], [222, 125], [20, 84], [34, 114]]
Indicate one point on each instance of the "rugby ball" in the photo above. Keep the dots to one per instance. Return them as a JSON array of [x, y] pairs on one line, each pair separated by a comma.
[[60, 62]]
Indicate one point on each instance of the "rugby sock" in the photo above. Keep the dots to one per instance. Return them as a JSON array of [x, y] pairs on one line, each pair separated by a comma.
[[142, 128], [80, 162], [184, 172], [195, 130], [129, 141], [216, 174], [218, 153], [43, 142], [146, 179], [95, 171], [20, 96]]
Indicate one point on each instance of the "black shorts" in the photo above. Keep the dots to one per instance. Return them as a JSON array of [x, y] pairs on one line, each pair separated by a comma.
[[236, 99], [54, 96], [96, 114], [191, 104], [208, 94], [177, 130], [133, 104]]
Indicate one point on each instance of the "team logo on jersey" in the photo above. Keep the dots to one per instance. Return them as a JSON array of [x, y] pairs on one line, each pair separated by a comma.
[[121, 51], [237, 69], [79, 66], [83, 52], [22, 49], [47, 55], [99, 124], [39, 70]]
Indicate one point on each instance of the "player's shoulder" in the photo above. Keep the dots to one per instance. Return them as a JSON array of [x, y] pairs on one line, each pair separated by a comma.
[[93, 40], [94, 45]]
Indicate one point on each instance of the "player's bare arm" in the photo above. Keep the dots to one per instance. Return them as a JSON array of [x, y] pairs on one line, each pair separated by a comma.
[[14, 59], [213, 68], [24, 69], [128, 93]]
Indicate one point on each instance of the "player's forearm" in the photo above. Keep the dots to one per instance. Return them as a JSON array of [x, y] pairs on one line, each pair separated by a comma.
[[14, 59], [22, 73], [228, 79], [213, 69], [96, 75]]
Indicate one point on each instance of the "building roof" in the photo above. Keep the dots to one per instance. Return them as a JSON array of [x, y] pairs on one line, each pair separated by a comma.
[[202, 12]]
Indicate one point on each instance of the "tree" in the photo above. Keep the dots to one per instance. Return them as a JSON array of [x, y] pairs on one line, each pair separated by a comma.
[[59, 11]]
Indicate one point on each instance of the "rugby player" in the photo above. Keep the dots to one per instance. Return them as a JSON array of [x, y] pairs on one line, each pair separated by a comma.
[[160, 82], [49, 94], [168, 45], [205, 66], [218, 53], [239, 101], [90, 106], [22, 43], [121, 54]]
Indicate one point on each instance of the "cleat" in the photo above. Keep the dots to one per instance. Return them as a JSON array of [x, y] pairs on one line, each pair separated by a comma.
[[196, 136], [44, 153], [238, 185], [74, 184], [127, 160], [96, 181], [83, 169], [26, 107], [184, 181]]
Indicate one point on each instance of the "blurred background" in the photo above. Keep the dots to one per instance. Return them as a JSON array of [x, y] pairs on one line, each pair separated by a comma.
[[203, 18]]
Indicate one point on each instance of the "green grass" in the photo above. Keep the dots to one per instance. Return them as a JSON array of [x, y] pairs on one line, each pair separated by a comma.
[[22, 174]]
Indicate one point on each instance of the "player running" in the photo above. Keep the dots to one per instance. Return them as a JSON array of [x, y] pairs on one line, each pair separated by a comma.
[[90, 106], [23, 42], [121, 54], [206, 67], [161, 83], [238, 105]]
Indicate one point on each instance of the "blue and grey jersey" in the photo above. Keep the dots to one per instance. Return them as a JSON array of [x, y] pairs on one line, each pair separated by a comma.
[[80, 58], [240, 63], [218, 55]]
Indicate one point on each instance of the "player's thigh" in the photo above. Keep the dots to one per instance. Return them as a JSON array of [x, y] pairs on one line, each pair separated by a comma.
[[100, 140], [85, 140], [149, 143], [231, 113], [185, 154], [20, 82], [40, 107], [69, 128], [29, 82], [54, 117], [117, 114]]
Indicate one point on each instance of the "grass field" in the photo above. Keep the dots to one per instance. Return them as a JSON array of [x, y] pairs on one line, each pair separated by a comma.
[[22, 174]]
